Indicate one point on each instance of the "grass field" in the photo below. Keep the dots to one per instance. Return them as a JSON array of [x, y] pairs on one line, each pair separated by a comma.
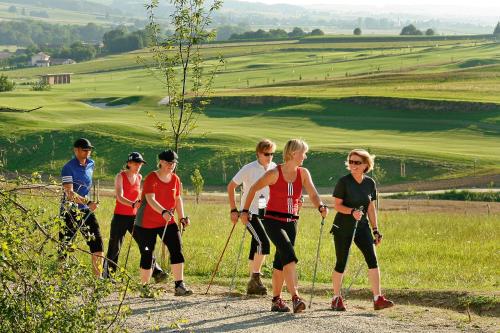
[[421, 251], [311, 80]]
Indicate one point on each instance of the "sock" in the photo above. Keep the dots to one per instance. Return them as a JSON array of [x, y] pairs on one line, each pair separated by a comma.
[[178, 283], [375, 298], [335, 297]]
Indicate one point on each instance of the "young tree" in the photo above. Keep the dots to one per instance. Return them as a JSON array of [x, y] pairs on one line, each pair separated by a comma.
[[357, 31], [198, 182], [178, 65], [317, 32], [430, 32]]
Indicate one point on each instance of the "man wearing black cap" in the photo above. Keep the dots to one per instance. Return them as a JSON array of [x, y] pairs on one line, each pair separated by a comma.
[[128, 198], [76, 208]]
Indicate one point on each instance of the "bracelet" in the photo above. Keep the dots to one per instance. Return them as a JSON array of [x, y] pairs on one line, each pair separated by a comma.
[[183, 220], [353, 210], [165, 211], [322, 206], [235, 210], [245, 211], [133, 204]]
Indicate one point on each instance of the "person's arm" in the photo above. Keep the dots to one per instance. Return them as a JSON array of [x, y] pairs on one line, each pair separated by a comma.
[[119, 192], [339, 207], [155, 205], [312, 192], [269, 178], [232, 202]]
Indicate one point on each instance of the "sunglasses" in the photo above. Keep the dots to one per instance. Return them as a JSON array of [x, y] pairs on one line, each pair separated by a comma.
[[268, 154], [355, 162]]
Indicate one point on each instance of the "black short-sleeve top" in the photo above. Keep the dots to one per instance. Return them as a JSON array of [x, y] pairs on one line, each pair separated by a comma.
[[354, 195]]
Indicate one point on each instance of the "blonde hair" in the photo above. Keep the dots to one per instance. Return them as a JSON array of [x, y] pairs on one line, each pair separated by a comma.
[[365, 156], [292, 146], [264, 145]]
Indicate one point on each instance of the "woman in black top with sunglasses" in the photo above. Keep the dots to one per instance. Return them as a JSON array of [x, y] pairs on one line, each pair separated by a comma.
[[354, 197]]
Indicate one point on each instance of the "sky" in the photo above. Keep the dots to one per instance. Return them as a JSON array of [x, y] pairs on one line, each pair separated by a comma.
[[461, 3]]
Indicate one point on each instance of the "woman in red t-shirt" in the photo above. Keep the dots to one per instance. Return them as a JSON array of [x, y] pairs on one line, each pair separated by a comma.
[[127, 194], [161, 196], [285, 190]]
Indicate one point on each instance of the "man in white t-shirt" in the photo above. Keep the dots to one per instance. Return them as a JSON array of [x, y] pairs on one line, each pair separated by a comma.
[[247, 176]]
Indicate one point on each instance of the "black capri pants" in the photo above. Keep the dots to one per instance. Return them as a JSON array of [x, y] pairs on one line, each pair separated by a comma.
[[84, 221], [282, 234], [260, 242], [342, 237], [146, 238]]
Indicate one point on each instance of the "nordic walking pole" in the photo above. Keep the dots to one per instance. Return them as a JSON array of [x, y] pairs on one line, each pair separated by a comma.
[[220, 259], [316, 263], [236, 266]]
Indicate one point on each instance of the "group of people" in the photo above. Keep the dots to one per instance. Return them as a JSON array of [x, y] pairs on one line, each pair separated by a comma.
[[149, 213]]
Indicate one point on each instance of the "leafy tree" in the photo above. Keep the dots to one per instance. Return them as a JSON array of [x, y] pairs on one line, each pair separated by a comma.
[[430, 32], [357, 31], [296, 32], [5, 84], [180, 65], [410, 30], [317, 32], [40, 292], [198, 182], [497, 29]]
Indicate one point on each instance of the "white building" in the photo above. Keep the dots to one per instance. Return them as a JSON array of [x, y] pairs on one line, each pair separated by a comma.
[[40, 60]]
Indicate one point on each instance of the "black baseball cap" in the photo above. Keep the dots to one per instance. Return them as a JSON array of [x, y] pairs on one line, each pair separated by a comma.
[[168, 155], [135, 157], [83, 143]]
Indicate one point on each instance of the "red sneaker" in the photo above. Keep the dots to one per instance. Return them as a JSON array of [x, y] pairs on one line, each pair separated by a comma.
[[382, 303], [298, 304], [338, 304], [279, 306]]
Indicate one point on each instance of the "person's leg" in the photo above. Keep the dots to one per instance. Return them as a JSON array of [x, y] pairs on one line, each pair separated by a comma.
[[146, 239], [258, 250], [119, 227], [92, 234], [173, 241], [364, 241], [67, 231], [342, 244]]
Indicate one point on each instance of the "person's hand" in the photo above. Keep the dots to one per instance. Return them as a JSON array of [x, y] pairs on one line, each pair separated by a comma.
[[167, 214], [93, 206], [323, 209], [378, 236], [357, 214], [234, 215], [136, 203], [185, 221], [244, 217]]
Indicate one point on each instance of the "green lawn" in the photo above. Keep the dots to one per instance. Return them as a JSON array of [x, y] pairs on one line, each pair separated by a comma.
[[310, 76]]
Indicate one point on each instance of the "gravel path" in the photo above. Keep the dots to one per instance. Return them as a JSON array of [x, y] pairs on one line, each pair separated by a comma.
[[200, 313]]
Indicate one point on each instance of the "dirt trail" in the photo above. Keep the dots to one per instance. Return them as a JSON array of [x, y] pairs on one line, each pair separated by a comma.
[[200, 313]]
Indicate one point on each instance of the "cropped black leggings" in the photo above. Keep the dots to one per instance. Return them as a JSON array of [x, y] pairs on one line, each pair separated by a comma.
[[364, 241], [282, 234], [146, 238], [260, 242]]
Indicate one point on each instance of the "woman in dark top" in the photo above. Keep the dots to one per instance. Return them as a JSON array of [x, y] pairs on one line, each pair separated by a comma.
[[355, 196]]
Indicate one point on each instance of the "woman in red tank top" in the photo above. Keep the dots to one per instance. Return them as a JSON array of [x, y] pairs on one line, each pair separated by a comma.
[[285, 190], [127, 194]]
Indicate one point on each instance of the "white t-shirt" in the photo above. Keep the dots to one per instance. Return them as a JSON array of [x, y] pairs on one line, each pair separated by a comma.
[[247, 176]]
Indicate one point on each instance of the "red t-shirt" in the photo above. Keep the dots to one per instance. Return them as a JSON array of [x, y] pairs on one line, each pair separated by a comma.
[[131, 192], [165, 194]]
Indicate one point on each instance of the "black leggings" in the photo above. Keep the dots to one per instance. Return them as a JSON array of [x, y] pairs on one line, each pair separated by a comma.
[[363, 240], [147, 241], [84, 221], [282, 234], [120, 224], [260, 242]]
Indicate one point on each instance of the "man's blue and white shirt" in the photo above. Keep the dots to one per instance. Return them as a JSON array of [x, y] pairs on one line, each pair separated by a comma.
[[78, 175]]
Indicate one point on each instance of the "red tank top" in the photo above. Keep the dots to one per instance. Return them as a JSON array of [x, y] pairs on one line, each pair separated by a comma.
[[284, 197], [131, 192]]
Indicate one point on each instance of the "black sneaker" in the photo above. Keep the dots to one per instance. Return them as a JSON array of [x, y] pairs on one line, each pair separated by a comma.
[[298, 304], [182, 290], [279, 306]]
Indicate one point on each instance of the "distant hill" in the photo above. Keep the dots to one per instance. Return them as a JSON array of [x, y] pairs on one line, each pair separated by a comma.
[[72, 5]]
